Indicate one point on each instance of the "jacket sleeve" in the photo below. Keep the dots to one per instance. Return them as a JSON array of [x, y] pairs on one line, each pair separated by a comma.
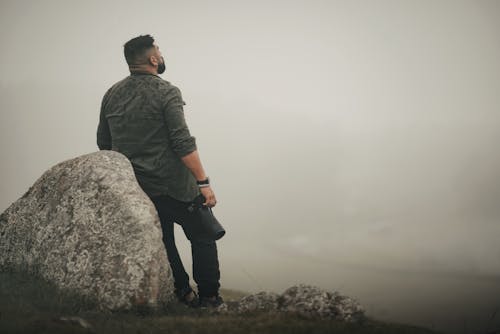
[[103, 133], [181, 141]]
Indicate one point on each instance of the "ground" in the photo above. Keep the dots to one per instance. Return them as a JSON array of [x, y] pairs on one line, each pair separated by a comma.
[[30, 305]]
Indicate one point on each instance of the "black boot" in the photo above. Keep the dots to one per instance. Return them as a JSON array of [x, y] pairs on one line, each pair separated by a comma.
[[187, 296], [211, 301]]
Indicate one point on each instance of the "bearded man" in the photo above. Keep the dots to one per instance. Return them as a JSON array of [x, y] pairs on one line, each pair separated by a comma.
[[142, 117]]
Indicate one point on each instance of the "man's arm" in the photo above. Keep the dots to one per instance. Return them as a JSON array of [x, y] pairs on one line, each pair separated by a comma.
[[184, 145], [103, 133], [193, 163]]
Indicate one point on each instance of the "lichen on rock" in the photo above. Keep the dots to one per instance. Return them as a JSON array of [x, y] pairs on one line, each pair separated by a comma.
[[87, 226]]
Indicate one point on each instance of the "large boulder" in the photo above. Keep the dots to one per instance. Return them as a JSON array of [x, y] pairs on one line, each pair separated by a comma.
[[87, 226]]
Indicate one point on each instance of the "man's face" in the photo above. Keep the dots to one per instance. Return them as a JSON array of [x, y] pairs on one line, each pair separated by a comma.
[[160, 60]]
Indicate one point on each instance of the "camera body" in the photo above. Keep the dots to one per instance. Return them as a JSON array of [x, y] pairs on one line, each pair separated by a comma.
[[204, 217]]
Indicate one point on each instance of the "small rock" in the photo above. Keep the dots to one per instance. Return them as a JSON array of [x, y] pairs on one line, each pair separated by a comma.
[[305, 300], [313, 302], [262, 301], [76, 321]]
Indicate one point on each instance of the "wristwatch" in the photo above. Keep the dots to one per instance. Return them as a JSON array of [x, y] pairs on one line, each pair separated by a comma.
[[203, 183]]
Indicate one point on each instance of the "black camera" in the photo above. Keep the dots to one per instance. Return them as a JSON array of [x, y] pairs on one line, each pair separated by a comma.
[[204, 216]]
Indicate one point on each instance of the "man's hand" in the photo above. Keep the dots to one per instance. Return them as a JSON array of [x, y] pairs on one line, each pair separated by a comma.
[[209, 195]]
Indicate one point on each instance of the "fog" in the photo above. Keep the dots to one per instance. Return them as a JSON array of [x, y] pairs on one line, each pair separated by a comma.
[[351, 144]]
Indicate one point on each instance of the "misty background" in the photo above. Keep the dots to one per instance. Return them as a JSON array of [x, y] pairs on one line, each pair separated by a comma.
[[352, 145]]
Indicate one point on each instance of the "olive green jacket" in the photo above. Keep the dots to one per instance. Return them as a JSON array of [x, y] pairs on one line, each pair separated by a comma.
[[142, 117]]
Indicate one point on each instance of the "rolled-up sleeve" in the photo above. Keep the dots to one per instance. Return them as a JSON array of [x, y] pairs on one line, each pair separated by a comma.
[[180, 138]]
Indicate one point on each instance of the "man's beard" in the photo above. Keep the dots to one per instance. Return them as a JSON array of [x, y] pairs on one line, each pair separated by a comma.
[[161, 66]]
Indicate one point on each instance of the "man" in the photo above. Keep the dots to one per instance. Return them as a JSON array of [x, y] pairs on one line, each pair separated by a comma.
[[142, 117]]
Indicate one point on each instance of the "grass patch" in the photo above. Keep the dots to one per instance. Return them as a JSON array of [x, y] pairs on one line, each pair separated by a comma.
[[31, 305]]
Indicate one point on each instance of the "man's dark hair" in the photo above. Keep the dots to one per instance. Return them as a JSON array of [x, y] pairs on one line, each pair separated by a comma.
[[135, 50]]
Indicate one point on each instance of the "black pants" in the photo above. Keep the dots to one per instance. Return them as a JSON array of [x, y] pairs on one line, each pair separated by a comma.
[[203, 248]]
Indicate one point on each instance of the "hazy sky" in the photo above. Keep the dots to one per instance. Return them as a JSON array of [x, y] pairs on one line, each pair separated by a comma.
[[347, 141]]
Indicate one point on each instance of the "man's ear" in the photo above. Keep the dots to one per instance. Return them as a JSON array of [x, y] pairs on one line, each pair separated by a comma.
[[153, 61]]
